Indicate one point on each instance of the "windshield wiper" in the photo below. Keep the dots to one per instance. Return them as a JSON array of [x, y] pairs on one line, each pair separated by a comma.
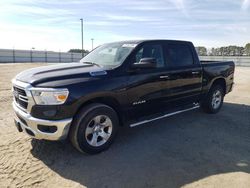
[[91, 63]]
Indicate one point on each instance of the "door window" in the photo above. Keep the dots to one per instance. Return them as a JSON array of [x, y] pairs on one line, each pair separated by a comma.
[[179, 55], [151, 51]]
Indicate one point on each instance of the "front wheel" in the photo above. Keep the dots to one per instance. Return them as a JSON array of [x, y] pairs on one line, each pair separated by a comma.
[[94, 128], [214, 100]]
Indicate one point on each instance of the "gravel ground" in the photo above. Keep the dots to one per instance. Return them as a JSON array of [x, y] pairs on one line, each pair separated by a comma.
[[193, 149]]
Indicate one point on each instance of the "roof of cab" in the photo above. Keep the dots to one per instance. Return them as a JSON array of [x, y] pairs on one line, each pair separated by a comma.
[[149, 40]]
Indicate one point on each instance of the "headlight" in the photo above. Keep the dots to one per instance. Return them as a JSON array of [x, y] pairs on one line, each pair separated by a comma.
[[50, 96]]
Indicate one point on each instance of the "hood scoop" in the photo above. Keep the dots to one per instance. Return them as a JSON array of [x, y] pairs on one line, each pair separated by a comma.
[[98, 73]]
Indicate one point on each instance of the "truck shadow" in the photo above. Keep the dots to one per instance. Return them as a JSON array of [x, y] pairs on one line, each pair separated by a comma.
[[171, 152]]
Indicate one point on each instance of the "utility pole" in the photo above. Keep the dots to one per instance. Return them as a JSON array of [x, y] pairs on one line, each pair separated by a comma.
[[92, 43], [31, 54], [82, 35], [14, 58], [60, 59], [46, 55]]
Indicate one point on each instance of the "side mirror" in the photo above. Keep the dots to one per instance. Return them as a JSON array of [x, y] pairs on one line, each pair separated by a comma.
[[145, 63]]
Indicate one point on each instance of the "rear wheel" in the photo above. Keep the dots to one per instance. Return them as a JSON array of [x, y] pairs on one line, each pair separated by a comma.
[[94, 128], [214, 100]]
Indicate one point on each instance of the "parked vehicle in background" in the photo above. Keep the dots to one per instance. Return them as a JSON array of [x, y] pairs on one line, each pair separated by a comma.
[[118, 84]]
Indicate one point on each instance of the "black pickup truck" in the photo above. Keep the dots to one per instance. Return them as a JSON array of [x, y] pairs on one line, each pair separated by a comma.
[[118, 84]]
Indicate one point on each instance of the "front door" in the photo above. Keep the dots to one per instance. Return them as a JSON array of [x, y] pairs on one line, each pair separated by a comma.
[[145, 85]]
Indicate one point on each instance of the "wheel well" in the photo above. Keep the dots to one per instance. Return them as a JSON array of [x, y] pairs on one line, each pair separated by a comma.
[[109, 101], [220, 81]]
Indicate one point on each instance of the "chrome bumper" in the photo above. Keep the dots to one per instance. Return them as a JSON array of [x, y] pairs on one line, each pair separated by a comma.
[[25, 122]]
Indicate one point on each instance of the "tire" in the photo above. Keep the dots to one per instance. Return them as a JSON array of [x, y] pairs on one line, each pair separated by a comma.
[[209, 104], [94, 128]]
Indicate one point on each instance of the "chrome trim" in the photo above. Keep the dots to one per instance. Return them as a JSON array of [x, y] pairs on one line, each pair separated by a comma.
[[24, 98], [195, 72], [21, 98], [32, 123], [26, 87], [19, 84], [48, 89], [164, 116], [18, 106], [162, 77]]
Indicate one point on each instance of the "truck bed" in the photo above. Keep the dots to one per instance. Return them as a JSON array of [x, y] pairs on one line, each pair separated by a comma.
[[217, 69]]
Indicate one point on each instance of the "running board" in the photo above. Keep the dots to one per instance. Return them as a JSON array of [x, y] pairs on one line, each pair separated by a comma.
[[164, 116]]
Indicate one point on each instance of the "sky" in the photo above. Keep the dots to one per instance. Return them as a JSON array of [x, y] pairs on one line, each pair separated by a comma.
[[55, 24]]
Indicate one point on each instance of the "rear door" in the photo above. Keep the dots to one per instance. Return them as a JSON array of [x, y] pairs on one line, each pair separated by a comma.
[[184, 75]]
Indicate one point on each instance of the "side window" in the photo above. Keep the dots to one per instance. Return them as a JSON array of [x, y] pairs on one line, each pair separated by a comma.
[[151, 51], [179, 55]]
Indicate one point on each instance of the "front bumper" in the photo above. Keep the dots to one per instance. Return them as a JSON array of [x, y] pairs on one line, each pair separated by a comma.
[[25, 122]]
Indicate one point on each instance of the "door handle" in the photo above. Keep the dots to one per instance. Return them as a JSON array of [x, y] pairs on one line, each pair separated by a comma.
[[195, 72], [164, 77]]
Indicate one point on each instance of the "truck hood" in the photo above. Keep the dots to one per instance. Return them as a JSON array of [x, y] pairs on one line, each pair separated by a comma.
[[58, 72]]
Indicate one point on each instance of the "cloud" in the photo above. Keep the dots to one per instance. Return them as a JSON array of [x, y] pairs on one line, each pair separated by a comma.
[[147, 5], [245, 4], [180, 5], [106, 23], [55, 24], [116, 17]]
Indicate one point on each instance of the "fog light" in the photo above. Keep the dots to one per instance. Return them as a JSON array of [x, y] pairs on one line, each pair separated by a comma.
[[18, 126], [47, 129]]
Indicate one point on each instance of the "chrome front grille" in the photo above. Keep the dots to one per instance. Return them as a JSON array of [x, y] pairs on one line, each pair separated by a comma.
[[20, 97]]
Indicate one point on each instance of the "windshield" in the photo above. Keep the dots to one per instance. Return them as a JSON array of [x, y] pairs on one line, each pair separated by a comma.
[[109, 55]]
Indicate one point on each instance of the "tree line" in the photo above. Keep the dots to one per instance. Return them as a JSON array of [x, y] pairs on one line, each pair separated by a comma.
[[224, 51], [78, 51]]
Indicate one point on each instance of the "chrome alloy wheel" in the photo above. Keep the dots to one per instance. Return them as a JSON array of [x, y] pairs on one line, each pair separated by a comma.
[[217, 99], [98, 130]]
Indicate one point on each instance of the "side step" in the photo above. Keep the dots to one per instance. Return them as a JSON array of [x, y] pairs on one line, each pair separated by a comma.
[[164, 116]]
